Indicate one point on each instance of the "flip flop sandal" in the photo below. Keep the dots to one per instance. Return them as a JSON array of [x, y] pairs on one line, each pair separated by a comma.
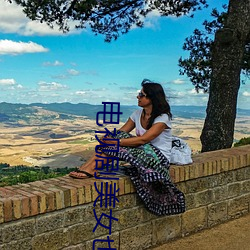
[[87, 175]]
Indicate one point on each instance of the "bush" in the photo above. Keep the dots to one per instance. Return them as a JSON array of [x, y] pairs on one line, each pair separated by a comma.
[[242, 142], [22, 174]]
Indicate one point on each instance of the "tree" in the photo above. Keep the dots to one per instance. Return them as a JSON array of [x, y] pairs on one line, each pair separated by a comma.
[[219, 126], [113, 17], [227, 57]]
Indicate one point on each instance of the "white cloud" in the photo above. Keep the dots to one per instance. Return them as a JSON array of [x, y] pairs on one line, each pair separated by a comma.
[[80, 92], [13, 20], [19, 86], [15, 48], [178, 81], [246, 93], [55, 63], [51, 86], [73, 72], [7, 82]]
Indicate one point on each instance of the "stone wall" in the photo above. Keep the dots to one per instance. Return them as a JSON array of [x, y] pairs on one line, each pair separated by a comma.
[[58, 213]]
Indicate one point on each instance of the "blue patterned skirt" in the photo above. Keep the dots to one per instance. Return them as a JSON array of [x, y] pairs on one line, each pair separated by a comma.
[[149, 172]]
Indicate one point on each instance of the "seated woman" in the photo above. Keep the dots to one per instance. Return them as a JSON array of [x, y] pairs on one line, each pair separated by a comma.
[[148, 152]]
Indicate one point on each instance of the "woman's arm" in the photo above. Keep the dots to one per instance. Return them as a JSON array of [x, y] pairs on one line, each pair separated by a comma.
[[151, 134], [128, 126]]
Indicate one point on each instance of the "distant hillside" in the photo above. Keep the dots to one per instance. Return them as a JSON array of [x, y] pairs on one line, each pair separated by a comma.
[[39, 112]]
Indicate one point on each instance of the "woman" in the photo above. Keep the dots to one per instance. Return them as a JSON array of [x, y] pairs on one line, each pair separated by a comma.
[[148, 152]]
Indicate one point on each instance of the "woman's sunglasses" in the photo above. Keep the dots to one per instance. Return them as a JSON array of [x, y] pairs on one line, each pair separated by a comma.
[[140, 94]]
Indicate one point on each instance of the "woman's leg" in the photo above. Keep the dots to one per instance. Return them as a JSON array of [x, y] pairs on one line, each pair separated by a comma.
[[89, 166]]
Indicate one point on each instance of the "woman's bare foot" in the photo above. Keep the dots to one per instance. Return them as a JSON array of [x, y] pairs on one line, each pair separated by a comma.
[[83, 173]]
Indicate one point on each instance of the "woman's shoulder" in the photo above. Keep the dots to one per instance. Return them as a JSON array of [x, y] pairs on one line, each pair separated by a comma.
[[137, 112], [163, 116]]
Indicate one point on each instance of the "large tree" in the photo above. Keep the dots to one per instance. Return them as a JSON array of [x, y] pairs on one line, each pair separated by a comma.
[[198, 67], [113, 17], [227, 56]]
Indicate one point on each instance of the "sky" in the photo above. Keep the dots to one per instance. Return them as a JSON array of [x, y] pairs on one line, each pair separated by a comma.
[[38, 64]]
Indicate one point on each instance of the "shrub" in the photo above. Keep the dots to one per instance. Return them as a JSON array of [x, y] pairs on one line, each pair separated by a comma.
[[22, 174], [242, 142]]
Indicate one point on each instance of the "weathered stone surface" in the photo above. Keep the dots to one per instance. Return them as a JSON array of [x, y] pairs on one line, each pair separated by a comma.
[[166, 228], [1, 236], [247, 172], [136, 238], [194, 220], [49, 222], [234, 189], [238, 206], [240, 174], [17, 245], [203, 198], [220, 193], [74, 216], [18, 230], [128, 218], [101, 242], [190, 203], [76, 247], [126, 201], [80, 233], [182, 186], [54, 240], [217, 213], [196, 185], [245, 186]]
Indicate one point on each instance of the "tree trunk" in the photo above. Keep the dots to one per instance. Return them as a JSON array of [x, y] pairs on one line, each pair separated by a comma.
[[227, 56]]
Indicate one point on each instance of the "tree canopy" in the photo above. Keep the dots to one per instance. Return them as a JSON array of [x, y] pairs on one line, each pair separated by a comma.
[[198, 66], [109, 17]]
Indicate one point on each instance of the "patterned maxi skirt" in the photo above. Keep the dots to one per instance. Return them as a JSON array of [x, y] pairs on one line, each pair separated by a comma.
[[149, 172]]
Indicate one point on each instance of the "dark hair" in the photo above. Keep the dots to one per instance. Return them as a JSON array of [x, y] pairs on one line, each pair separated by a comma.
[[156, 94]]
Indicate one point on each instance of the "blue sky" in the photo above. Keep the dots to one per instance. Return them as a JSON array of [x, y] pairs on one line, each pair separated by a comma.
[[38, 64]]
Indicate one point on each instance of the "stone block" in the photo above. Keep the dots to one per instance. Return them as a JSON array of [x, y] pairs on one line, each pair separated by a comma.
[[49, 222], [80, 233], [136, 238], [74, 216], [247, 172], [217, 213], [1, 235], [240, 174], [182, 186], [76, 247], [203, 198], [18, 230], [126, 201], [220, 193], [128, 217], [24, 244], [234, 189], [166, 228], [196, 185], [53, 240], [238, 206], [245, 186], [102, 242], [190, 203], [194, 220]]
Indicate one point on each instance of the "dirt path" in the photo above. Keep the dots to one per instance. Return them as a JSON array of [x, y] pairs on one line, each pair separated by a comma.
[[233, 235]]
